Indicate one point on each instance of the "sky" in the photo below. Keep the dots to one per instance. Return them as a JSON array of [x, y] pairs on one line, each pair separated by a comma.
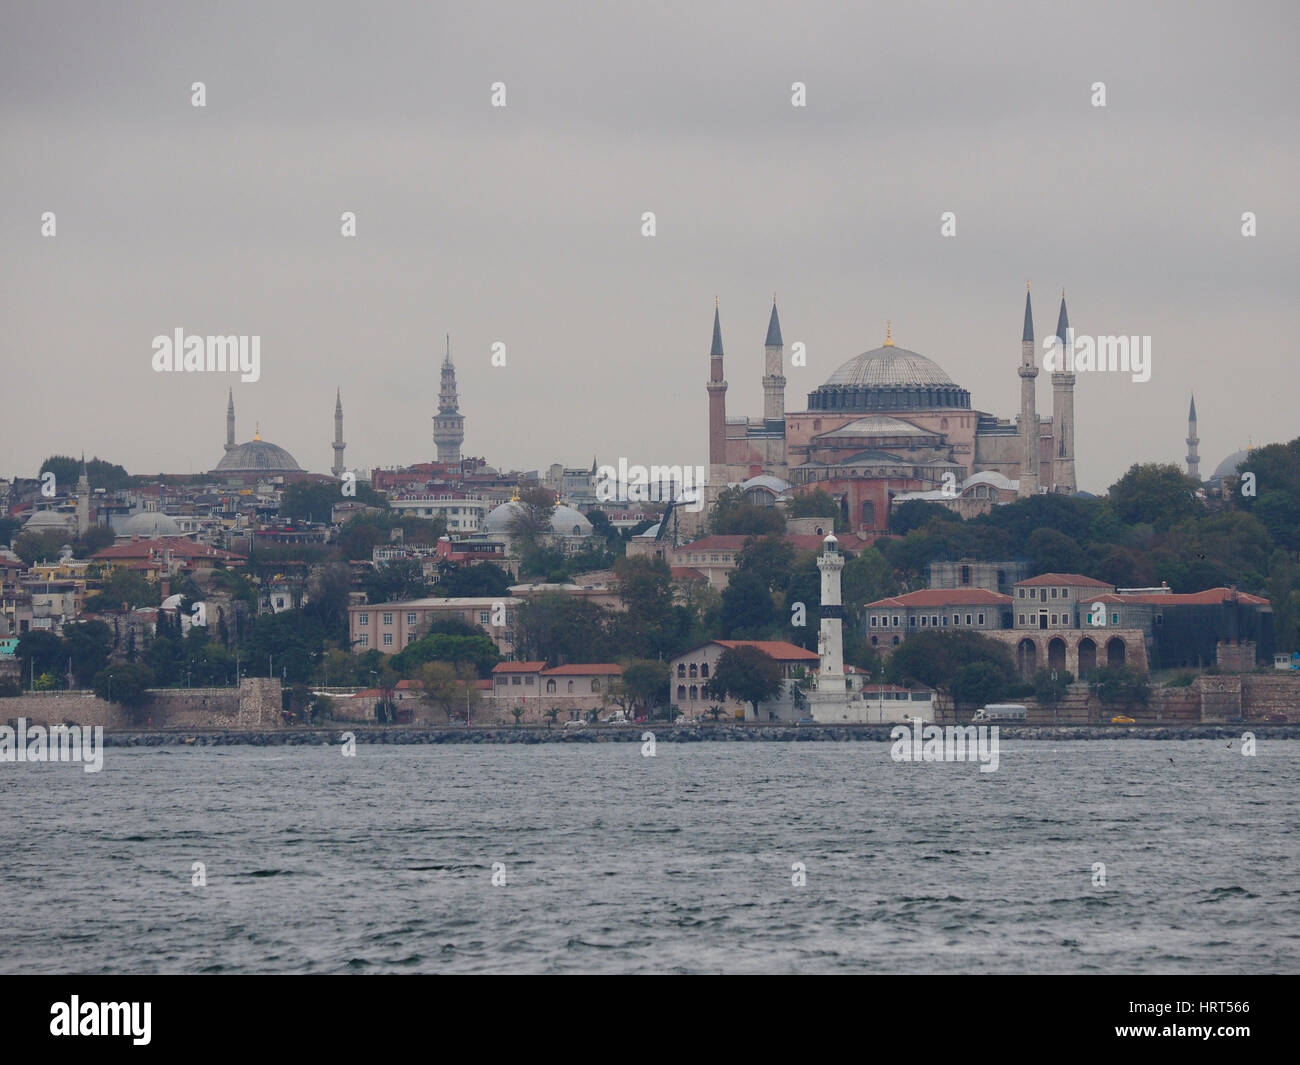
[[522, 225]]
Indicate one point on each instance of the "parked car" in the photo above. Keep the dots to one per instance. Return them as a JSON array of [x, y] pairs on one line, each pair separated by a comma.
[[1123, 719], [575, 724], [1275, 719]]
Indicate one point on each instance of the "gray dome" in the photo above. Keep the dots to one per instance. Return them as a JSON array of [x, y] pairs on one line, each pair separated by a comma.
[[889, 367], [150, 525], [50, 519], [497, 521], [565, 521], [1228, 467], [257, 456]]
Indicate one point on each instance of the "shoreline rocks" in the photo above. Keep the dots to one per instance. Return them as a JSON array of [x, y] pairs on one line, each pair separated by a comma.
[[399, 735]]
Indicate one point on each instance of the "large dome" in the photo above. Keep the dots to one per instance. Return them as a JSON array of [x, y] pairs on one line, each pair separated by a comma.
[[258, 456], [565, 521], [889, 378], [150, 525], [1228, 467], [889, 367]]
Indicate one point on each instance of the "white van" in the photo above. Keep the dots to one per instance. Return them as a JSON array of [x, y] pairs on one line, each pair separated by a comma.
[[1001, 712]]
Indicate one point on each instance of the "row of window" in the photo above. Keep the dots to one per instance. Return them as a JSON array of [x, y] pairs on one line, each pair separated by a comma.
[[933, 621], [484, 618], [1033, 593], [526, 680], [701, 671]]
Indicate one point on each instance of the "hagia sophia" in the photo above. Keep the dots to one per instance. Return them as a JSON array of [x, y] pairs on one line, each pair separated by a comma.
[[891, 424]]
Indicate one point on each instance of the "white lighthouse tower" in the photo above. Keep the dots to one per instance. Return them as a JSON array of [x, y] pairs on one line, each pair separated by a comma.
[[830, 641]]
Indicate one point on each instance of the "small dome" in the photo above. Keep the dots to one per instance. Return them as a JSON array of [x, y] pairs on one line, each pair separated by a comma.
[[498, 520], [150, 525], [568, 522]]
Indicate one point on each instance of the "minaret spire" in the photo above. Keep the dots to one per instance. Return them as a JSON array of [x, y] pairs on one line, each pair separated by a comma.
[[1063, 479], [230, 420], [1030, 474], [1193, 456], [774, 376], [717, 387], [338, 445]]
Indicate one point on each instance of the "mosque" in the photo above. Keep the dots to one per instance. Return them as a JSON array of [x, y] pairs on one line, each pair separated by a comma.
[[891, 422]]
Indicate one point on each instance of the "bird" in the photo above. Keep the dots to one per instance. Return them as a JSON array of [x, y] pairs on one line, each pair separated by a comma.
[[1171, 761]]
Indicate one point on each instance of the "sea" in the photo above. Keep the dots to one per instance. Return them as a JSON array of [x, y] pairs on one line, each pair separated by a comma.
[[1104, 856]]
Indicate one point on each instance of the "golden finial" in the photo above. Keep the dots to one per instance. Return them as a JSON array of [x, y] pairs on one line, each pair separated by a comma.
[[1026, 286], [257, 432], [715, 303], [889, 334], [773, 297]]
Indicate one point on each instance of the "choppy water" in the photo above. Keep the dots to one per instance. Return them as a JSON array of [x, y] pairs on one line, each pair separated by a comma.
[[616, 862]]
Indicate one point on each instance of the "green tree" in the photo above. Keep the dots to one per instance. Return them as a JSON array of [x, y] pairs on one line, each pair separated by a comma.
[[452, 689], [747, 674], [934, 658], [483, 580], [732, 516], [1051, 686], [978, 683], [748, 611], [1156, 494], [530, 519], [477, 652], [644, 684], [1121, 684], [314, 502], [916, 514], [1054, 552], [87, 644], [560, 628], [394, 582], [40, 651], [771, 557], [33, 547], [125, 684]]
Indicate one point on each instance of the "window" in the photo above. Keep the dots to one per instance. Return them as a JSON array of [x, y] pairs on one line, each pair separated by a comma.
[[1065, 593], [965, 575], [570, 687], [934, 621], [967, 619], [1114, 619], [363, 619], [911, 621], [410, 637], [681, 669], [528, 681], [410, 619], [944, 621], [1053, 593], [1022, 619], [595, 684], [681, 692], [704, 670], [923, 621], [873, 621], [483, 617], [695, 672], [981, 619], [388, 619], [363, 640], [1021, 591], [695, 691], [550, 687], [516, 680], [1053, 619], [895, 621], [1033, 593], [502, 682]]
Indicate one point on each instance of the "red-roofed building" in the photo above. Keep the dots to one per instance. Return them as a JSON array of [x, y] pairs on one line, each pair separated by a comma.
[[166, 556], [574, 690], [1051, 600], [692, 670], [891, 620]]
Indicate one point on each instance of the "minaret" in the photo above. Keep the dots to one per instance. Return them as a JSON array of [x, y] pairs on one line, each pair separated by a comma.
[[230, 421], [1063, 408], [1029, 476], [717, 414], [1193, 459], [773, 378], [448, 424], [83, 499], [337, 468], [830, 640]]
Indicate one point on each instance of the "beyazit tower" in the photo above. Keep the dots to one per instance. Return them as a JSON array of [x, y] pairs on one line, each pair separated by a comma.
[[448, 423]]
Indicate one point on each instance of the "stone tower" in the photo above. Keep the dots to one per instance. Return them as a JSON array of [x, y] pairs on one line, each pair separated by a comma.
[[1029, 478], [717, 415], [773, 376], [337, 468], [1193, 459], [1063, 408], [448, 424], [83, 499], [230, 420], [830, 640]]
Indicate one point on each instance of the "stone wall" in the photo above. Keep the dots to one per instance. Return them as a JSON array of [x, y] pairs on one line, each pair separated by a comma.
[[1270, 693], [1220, 697], [256, 704]]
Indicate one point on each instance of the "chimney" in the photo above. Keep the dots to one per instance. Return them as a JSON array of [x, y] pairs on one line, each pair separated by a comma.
[[166, 586]]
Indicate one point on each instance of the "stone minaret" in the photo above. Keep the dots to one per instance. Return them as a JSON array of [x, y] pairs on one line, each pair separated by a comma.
[[717, 414], [448, 424], [1193, 459], [830, 640], [773, 378], [230, 421], [83, 499], [337, 468], [1028, 371], [1063, 408]]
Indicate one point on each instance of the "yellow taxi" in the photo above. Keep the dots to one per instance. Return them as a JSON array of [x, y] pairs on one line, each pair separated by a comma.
[[1122, 719]]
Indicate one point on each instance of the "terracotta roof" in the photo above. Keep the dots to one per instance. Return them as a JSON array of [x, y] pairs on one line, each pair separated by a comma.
[[1208, 597], [680, 573], [177, 545], [945, 597], [1073, 580], [579, 669], [778, 649], [519, 667], [729, 542]]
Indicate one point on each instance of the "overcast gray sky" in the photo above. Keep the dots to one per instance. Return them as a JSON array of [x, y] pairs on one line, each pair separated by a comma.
[[522, 225]]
